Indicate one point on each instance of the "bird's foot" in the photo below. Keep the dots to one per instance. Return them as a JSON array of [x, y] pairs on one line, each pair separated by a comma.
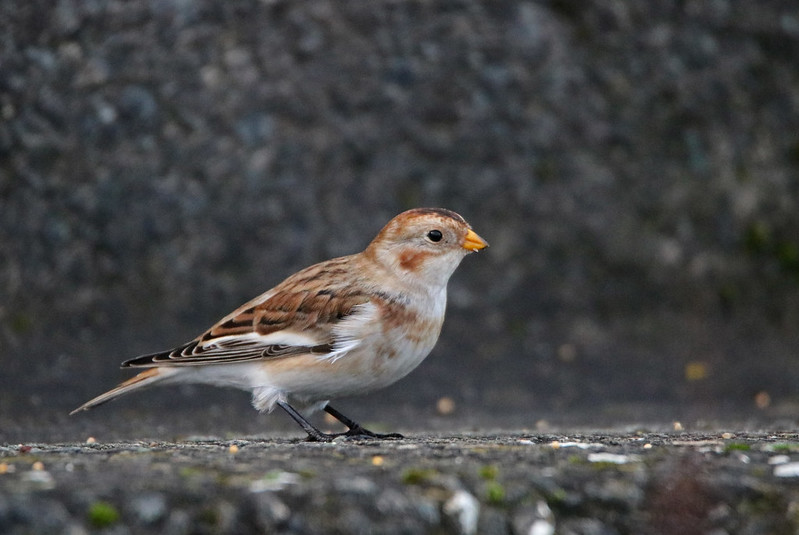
[[357, 433], [363, 433]]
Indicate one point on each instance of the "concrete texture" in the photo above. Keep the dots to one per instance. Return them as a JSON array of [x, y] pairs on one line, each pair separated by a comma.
[[648, 481]]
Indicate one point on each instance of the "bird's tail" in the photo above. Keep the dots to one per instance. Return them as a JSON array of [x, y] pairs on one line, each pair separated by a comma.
[[146, 378]]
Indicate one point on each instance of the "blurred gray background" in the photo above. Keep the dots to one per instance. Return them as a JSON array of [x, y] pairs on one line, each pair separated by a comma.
[[634, 165]]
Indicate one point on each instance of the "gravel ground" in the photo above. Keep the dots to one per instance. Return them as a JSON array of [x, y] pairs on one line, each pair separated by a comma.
[[522, 482]]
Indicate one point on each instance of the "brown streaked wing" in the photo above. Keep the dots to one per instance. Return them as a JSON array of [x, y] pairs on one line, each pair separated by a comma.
[[309, 302], [192, 354]]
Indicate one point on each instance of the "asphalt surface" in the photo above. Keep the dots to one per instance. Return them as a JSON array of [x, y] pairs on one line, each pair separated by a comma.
[[524, 482]]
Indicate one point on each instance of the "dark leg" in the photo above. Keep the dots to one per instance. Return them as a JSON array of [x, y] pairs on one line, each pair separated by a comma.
[[355, 429], [313, 433]]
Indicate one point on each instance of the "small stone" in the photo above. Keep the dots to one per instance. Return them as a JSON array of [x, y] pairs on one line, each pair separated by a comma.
[[463, 509], [779, 459], [271, 510], [272, 481], [41, 479], [612, 458], [544, 523], [149, 508], [445, 406], [762, 400], [542, 425], [787, 470], [356, 485], [585, 526]]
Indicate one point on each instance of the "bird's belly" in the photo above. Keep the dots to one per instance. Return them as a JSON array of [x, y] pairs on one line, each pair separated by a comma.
[[368, 367]]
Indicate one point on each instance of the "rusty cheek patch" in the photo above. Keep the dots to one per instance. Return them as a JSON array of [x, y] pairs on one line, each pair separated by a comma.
[[410, 259]]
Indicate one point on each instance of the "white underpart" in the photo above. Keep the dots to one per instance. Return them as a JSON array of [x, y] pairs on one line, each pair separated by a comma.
[[250, 376]]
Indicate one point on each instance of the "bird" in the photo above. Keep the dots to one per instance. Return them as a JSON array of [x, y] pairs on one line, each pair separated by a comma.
[[342, 327]]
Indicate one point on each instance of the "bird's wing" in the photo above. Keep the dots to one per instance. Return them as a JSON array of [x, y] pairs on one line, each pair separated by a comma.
[[311, 312]]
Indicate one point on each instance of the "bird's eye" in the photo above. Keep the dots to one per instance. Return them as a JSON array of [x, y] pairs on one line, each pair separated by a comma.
[[434, 235]]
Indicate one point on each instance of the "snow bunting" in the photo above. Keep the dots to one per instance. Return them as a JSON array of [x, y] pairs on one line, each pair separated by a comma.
[[341, 327]]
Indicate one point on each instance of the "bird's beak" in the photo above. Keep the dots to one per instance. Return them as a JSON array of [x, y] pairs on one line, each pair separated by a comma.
[[473, 242]]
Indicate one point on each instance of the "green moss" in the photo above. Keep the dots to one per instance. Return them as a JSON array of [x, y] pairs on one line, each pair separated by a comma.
[[306, 474], [191, 471], [737, 446], [103, 514], [784, 447], [606, 465], [489, 472], [495, 493], [417, 476], [558, 495]]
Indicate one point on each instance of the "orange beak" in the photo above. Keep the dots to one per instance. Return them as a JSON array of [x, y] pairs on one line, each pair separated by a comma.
[[473, 242]]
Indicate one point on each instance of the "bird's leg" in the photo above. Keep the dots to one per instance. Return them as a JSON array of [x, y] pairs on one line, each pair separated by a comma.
[[355, 429], [314, 434]]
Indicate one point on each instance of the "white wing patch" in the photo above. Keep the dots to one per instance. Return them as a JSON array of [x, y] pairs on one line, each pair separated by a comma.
[[350, 332], [254, 339]]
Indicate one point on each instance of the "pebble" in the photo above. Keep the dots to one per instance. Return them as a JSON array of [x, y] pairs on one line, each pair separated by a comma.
[[463, 509], [779, 459], [445, 406], [356, 485], [270, 510], [544, 523], [274, 481], [149, 507], [40, 479], [613, 458], [787, 470], [556, 444]]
